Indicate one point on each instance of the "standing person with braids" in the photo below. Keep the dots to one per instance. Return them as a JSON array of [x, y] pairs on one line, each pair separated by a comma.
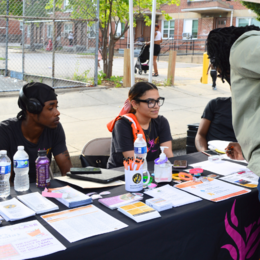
[[140, 115], [36, 127], [237, 57]]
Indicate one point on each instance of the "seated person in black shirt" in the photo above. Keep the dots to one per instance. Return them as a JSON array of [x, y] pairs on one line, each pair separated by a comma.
[[145, 104], [216, 123], [36, 127]]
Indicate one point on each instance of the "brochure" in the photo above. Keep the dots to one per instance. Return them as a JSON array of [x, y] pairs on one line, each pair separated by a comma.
[[139, 212], [13, 209], [118, 201], [247, 179], [38, 203], [72, 198], [159, 204], [175, 196], [212, 189]]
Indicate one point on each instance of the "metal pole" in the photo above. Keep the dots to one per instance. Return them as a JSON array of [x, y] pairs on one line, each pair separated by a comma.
[[152, 42], [23, 34], [96, 50], [131, 22], [231, 18], [53, 46], [6, 38]]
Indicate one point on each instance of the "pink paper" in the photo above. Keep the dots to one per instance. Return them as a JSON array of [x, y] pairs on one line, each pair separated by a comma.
[[45, 193]]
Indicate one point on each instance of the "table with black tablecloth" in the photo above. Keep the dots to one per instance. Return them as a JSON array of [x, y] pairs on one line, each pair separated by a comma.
[[203, 230]]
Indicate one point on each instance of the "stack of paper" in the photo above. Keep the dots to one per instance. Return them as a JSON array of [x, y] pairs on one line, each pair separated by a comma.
[[175, 196], [139, 212], [118, 201], [73, 197], [220, 167], [13, 209], [37, 202], [27, 240]]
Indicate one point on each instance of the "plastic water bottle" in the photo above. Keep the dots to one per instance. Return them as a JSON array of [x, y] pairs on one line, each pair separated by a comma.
[[140, 150], [42, 169], [5, 169], [21, 170]]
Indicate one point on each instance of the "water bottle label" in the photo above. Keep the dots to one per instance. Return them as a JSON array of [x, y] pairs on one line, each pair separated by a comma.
[[5, 169], [21, 163], [140, 150]]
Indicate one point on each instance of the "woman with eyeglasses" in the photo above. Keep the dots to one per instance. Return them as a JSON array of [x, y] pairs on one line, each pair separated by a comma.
[[140, 116]]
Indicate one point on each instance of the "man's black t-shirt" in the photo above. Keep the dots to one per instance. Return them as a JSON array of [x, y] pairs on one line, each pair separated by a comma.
[[11, 136], [218, 111], [122, 139]]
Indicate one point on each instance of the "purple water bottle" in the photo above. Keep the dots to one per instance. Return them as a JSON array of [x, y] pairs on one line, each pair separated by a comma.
[[42, 169]]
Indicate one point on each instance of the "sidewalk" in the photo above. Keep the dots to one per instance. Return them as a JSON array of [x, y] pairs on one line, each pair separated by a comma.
[[85, 112]]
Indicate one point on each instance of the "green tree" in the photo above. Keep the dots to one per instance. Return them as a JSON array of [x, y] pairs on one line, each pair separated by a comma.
[[254, 7], [15, 7], [111, 12]]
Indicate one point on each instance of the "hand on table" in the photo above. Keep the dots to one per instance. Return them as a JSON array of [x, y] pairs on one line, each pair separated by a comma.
[[234, 151]]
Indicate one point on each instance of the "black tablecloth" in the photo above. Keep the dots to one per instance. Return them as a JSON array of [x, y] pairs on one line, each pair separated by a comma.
[[196, 231]]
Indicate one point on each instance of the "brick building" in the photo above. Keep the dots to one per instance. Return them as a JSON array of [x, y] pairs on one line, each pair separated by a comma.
[[194, 19]]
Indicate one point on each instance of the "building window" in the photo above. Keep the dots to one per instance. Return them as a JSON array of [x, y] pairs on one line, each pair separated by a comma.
[[67, 28], [120, 29], [21, 25], [168, 29], [190, 29], [49, 31], [247, 21], [28, 31], [92, 30]]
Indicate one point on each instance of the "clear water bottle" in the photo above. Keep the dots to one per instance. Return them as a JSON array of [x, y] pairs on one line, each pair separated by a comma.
[[5, 169], [21, 170], [140, 150]]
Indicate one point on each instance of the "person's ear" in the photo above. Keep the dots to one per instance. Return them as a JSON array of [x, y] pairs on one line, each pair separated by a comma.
[[134, 104]]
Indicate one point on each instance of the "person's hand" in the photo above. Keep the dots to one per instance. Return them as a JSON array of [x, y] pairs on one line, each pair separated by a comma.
[[234, 151]]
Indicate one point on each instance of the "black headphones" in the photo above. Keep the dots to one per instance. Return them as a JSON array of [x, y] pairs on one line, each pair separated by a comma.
[[32, 105]]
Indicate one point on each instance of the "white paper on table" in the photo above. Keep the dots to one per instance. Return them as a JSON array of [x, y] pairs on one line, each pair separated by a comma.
[[247, 179], [27, 240], [213, 190], [220, 167], [14, 210], [175, 196], [37, 202], [224, 156], [79, 223]]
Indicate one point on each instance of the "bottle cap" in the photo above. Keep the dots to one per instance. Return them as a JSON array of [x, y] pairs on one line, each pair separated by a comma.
[[3, 152], [42, 152], [139, 136], [20, 147]]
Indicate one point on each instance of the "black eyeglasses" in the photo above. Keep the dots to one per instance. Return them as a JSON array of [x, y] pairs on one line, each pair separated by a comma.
[[151, 102]]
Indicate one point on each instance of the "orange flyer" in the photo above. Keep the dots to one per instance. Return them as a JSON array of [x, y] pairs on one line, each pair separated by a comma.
[[212, 189]]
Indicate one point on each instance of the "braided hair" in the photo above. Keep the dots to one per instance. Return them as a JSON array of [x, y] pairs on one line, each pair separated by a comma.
[[219, 43]]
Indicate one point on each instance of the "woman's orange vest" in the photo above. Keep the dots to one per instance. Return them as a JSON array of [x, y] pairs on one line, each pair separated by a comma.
[[136, 128]]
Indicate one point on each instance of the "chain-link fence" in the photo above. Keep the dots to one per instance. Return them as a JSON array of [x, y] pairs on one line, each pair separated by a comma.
[[46, 44]]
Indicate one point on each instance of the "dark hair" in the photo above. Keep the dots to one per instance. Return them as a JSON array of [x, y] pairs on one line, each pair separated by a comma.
[[138, 90], [157, 25], [219, 43]]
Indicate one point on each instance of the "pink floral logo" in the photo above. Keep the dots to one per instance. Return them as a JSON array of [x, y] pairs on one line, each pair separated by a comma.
[[244, 248]]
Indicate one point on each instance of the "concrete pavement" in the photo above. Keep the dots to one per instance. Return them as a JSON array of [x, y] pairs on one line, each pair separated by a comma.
[[86, 111]]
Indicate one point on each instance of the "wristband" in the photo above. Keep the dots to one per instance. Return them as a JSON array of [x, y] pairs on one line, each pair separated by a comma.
[[185, 176], [196, 170], [175, 176]]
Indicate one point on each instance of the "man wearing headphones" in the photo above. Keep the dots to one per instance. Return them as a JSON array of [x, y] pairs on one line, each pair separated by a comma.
[[36, 127]]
